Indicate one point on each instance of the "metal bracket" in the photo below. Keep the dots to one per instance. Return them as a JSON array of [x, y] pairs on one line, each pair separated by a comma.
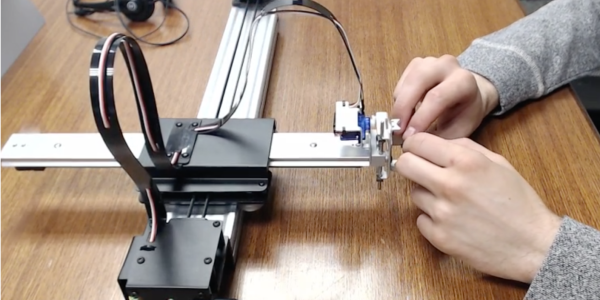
[[181, 141]]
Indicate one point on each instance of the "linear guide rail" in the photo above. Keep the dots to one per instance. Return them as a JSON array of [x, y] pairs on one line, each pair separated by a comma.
[[87, 150]]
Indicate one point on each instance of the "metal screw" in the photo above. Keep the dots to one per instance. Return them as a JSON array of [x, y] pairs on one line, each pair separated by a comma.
[[141, 260], [216, 223], [15, 145], [169, 154], [179, 124], [57, 145], [185, 155], [313, 145], [23, 145], [195, 124], [261, 184], [208, 260]]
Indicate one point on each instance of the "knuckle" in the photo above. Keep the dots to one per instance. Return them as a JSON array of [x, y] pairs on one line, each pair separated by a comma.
[[436, 96], [413, 62], [416, 60], [462, 141], [447, 58], [452, 188], [441, 212], [402, 108], [415, 141], [468, 161], [463, 75]]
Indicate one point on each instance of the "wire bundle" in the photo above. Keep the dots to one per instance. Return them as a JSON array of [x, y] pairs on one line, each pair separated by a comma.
[[105, 115], [273, 7]]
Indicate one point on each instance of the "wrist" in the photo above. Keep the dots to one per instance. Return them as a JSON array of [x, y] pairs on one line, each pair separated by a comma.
[[489, 93], [540, 248]]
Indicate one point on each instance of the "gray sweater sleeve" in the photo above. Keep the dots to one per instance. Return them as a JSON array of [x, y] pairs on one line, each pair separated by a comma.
[[537, 54], [572, 268]]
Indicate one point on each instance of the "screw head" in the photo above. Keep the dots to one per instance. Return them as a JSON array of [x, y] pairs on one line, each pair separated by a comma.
[[185, 155], [208, 260], [141, 260], [169, 154], [195, 124], [216, 223], [313, 145], [261, 184], [179, 124]]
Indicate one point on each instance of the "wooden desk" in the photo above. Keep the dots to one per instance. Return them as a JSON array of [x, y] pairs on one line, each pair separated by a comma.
[[332, 234]]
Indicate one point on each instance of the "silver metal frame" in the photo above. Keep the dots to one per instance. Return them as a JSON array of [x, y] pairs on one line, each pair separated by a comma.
[[87, 150]]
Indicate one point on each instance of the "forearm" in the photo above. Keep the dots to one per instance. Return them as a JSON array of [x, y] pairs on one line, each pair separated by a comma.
[[572, 267], [534, 56]]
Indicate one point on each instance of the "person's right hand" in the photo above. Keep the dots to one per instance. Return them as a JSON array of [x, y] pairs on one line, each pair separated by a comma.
[[458, 99], [477, 207]]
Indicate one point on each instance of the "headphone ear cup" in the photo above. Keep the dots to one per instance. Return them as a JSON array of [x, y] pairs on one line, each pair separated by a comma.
[[83, 12], [137, 10]]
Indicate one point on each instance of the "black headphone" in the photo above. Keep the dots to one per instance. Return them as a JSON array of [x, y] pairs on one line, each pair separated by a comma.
[[134, 10]]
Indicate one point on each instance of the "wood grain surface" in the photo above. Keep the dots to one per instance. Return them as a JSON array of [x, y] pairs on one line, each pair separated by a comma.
[[331, 233]]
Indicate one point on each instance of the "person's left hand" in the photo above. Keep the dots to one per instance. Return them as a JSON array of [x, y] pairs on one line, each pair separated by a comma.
[[477, 207]]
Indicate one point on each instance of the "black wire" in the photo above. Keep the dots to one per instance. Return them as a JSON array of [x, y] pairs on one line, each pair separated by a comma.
[[166, 6], [191, 207], [205, 207], [189, 214]]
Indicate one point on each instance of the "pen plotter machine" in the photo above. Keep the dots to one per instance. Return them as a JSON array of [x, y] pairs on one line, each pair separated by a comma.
[[197, 177]]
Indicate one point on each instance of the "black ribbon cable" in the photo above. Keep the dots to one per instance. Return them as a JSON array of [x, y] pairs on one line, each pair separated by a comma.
[[105, 115], [273, 7]]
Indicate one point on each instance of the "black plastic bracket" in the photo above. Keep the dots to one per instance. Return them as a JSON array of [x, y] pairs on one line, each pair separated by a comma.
[[182, 139], [187, 261], [231, 165]]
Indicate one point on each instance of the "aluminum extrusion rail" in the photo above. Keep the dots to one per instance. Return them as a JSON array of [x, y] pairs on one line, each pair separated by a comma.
[[88, 150]]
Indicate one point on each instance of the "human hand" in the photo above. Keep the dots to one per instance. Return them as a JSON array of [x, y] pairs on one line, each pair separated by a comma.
[[458, 99], [477, 207]]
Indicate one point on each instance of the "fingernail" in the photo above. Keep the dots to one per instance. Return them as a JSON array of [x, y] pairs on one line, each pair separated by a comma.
[[410, 131]]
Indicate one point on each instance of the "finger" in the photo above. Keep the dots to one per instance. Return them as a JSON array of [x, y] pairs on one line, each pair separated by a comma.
[[426, 227], [420, 171], [470, 144], [407, 70], [434, 149], [423, 199], [424, 76], [458, 88]]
